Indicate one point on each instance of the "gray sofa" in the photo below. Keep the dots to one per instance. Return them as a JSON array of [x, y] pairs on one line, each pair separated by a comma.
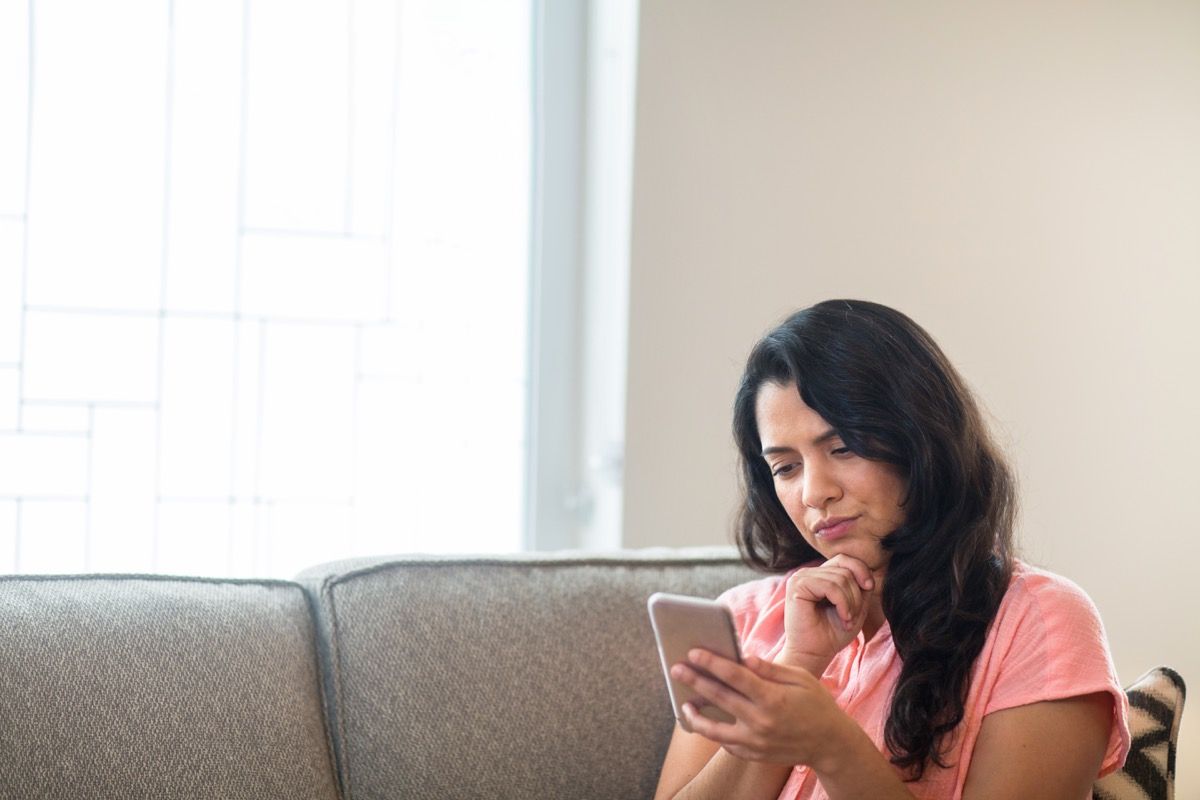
[[532, 676]]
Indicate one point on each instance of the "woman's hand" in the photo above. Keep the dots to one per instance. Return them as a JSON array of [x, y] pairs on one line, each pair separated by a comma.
[[783, 716], [827, 606], [782, 713]]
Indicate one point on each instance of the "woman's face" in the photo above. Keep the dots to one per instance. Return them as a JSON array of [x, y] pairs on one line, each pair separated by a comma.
[[840, 502]]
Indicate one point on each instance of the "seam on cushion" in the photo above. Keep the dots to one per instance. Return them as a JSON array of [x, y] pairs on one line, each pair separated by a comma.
[[338, 715], [321, 652], [157, 578], [526, 564]]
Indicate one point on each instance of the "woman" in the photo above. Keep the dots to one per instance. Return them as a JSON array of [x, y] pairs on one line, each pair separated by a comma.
[[898, 650]]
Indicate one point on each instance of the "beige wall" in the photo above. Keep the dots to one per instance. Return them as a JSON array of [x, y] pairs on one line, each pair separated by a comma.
[[1021, 178]]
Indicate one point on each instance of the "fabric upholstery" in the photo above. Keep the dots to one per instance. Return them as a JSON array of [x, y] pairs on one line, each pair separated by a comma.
[[1156, 707], [517, 678], [154, 687]]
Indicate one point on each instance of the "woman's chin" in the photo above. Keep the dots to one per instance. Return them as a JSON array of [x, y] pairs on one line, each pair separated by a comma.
[[872, 555]]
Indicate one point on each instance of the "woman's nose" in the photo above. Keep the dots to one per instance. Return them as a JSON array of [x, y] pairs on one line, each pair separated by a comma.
[[819, 488]]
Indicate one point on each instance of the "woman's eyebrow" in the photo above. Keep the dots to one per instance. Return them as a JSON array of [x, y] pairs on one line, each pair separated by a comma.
[[827, 436]]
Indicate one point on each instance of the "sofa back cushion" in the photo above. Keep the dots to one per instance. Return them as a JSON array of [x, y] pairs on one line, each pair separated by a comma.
[[527, 677], [139, 687]]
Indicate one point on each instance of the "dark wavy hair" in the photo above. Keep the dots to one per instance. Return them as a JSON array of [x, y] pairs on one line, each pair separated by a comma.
[[888, 390]]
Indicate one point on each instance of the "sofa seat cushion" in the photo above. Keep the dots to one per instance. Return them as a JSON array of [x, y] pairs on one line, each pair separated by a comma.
[[154, 687]]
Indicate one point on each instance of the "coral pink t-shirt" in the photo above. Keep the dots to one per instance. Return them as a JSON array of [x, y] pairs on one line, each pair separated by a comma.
[[1046, 643]]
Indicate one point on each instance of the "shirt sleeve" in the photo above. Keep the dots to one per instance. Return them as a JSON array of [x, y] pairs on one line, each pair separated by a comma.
[[1054, 647]]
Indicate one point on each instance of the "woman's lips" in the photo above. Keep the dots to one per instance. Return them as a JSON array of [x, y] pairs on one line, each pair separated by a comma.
[[837, 530]]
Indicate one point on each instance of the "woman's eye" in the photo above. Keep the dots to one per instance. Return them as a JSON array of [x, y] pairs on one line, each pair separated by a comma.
[[784, 469], [841, 451]]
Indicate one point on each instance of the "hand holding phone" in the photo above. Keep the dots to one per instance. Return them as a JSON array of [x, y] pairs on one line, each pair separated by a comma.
[[682, 623]]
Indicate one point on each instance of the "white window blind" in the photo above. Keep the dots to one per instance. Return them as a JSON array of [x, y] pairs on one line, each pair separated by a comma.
[[263, 281]]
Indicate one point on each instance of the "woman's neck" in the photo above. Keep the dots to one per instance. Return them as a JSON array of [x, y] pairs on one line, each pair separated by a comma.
[[875, 618], [874, 622]]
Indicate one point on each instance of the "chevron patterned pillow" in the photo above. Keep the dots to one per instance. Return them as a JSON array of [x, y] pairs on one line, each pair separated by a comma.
[[1155, 706]]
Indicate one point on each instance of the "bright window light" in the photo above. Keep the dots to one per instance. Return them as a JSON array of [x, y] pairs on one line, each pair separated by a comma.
[[264, 274]]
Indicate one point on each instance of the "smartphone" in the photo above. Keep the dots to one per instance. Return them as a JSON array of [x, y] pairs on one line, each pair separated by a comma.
[[681, 623]]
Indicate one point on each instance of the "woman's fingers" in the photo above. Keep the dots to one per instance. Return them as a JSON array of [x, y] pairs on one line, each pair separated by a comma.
[[758, 718], [778, 673], [733, 688], [834, 586], [732, 737], [725, 674], [719, 732], [859, 569]]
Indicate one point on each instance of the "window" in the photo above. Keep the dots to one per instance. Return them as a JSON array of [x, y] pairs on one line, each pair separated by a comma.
[[264, 281]]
